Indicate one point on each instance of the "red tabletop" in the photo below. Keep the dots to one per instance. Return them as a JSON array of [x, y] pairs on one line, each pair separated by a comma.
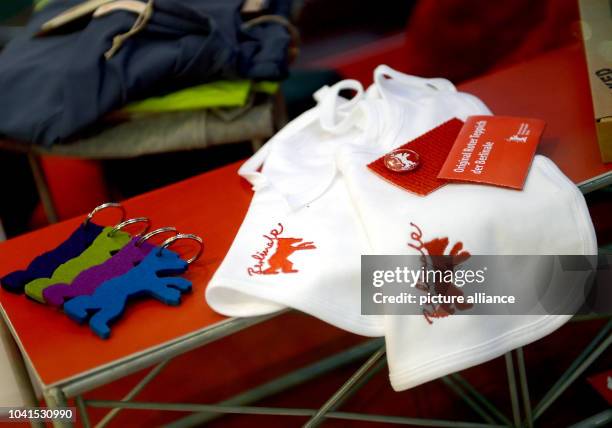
[[211, 205], [553, 87]]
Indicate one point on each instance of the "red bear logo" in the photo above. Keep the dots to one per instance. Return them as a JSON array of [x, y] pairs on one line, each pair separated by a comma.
[[279, 261], [457, 255]]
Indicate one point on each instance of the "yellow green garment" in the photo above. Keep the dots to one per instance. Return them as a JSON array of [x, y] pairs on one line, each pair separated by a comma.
[[218, 94]]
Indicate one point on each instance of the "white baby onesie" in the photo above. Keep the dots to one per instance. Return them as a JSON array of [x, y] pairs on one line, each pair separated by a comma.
[[293, 249], [549, 216]]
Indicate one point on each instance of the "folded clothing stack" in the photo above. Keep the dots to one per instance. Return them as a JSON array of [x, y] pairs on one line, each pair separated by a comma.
[[317, 208], [59, 83]]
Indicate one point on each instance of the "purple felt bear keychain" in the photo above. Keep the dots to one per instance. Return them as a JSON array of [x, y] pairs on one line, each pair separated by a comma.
[[156, 276], [88, 280]]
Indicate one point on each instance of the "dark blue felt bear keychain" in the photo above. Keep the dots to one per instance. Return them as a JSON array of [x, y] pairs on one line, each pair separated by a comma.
[[45, 264], [156, 276]]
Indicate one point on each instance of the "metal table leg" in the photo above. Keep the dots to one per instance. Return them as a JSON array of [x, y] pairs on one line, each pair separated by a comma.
[[285, 382], [602, 419], [448, 381], [43, 188], [83, 411], [597, 346], [17, 365], [349, 386], [281, 411], [55, 399], [524, 387], [480, 399], [516, 415], [133, 393]]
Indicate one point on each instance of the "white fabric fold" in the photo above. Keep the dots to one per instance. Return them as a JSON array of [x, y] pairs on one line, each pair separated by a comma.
[[300, 243], [549, 216], [312, 182]]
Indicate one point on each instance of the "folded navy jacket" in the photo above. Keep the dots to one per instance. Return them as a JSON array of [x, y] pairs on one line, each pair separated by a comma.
[[55, 85]]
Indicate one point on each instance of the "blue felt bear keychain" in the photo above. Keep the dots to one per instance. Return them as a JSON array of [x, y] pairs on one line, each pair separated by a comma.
[[156, 276], [45, 264]]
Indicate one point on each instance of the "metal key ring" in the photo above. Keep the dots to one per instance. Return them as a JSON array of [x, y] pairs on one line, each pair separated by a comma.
[[151, 234], [132, 221], [104, 206], [190, 236]]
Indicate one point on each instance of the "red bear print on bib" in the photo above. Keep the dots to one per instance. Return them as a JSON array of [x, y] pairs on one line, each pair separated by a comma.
[[274, 257], [457, 255]]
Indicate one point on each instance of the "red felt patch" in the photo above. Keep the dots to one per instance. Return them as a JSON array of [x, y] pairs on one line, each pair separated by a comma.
[[432, 149]]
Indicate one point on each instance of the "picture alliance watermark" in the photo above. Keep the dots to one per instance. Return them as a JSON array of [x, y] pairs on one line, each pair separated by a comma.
[[440, 286], [419, 278]]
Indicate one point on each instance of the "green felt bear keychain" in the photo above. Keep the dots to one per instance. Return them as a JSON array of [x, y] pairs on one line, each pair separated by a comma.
[[103, 247]]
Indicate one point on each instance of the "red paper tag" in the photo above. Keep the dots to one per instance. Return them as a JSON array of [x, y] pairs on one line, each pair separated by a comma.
[[603, 384], [431, 151], [495, 150]]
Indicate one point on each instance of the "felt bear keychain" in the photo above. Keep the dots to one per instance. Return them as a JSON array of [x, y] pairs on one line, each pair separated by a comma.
[[45, 264], [111, 240], [156, 277], [88, 280]]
